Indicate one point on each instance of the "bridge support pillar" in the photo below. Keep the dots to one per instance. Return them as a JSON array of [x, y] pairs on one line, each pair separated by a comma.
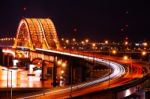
[[69, 75], [6, 60], [3, 61], [75, 71], [43, 76], [54, 72]]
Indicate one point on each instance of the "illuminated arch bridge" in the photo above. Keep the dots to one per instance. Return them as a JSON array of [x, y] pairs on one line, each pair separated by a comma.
[[37, 33]]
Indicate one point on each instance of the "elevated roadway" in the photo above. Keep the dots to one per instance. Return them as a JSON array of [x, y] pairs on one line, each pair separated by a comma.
[[123, 72]]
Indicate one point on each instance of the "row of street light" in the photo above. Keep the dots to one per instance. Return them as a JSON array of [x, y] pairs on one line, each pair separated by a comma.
[[106, 45], [63, 65]]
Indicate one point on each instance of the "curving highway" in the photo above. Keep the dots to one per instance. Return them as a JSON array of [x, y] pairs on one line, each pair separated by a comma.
[[118, 70]]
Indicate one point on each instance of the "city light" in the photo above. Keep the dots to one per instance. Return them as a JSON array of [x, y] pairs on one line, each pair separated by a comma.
[[64, 64], [67, 41], [62, 71], [106, 41], [59, 62], [144, 53], [82, 42], [62, 39], [114, 51], [73, 39], [87, 40], [125, 57], [93, 45], [126, 43], [145, 44]]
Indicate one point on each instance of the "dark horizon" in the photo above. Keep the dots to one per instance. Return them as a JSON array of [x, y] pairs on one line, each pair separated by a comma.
[[97, 20]]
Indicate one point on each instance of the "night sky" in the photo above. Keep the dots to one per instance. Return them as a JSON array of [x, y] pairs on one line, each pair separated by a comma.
[[94, 19]]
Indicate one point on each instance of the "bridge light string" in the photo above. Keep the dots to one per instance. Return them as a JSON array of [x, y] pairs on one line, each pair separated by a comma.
[[27, 29], [42, 30]]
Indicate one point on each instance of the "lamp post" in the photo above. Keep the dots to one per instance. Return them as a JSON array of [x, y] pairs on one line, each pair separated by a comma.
[[11, 86], [108, 64], [71, 83], [143, 53], [131, 61], [71, 76], [7, 81], [114, 52], [109, 74], [149, 57]]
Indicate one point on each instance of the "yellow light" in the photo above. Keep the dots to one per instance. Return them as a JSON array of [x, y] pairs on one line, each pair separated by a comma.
[[83, 42], [59, 62], [126, 43], [20, 55], [64, 64], [86, 40], [67, 41], [106, 42], [125, 57], [62, 39], [61, 77], [145, 44], [73, 39], [144, 53], [72, 47], [114, 51], [62, 71], [93, 44]]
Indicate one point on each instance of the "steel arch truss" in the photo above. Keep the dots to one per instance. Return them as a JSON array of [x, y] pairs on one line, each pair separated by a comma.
[[37, 33]]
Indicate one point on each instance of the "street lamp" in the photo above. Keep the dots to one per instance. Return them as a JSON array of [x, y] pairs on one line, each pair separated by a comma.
[[11, 86], [126, 42], [87, 40], [125, 57], [67, 41], [145, 44], [144, 53], [82, 42], [71, 83], [114, 52], [59, 62], [106, 41], [62, 71], [73, 39], [62, 39], [64, 64]]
